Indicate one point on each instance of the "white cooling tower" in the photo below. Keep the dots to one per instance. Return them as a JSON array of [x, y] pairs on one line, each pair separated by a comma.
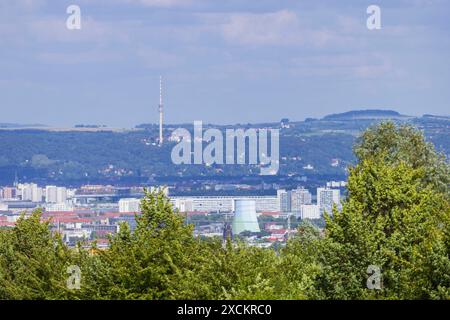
[[245, 217]]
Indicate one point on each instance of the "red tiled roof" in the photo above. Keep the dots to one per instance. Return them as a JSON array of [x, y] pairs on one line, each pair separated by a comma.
[[117, 214], [271, 213], [7, 224], [70, 220], [56, 213], [49, 214], [109, 215], [278, 231]]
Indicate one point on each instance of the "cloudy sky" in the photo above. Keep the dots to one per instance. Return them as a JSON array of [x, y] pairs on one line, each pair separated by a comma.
[[228, 61]]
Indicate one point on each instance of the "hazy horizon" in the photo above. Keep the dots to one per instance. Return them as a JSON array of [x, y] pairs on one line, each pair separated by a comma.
[[205, 123], [222, 63]]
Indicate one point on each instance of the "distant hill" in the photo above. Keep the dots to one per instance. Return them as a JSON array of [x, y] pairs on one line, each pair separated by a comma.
[[315, 148], [431, 116], [365, 114]]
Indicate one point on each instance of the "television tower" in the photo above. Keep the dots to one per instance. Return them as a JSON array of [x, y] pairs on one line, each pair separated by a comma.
[[160, 112]]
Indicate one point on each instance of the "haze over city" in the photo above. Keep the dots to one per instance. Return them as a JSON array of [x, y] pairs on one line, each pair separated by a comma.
[[222, 62]]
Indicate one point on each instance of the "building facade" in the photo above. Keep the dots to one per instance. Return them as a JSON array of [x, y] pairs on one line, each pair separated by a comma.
[[129, 205], [326, 198], [223, 203]]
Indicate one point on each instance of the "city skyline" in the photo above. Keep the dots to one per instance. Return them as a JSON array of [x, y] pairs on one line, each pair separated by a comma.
[[234, 62], [89, 214]]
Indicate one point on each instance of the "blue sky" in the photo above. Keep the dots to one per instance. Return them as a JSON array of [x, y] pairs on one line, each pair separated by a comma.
[[226, 61]]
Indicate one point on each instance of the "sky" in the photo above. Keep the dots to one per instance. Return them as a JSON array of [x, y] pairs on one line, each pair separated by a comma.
[[228, 61]]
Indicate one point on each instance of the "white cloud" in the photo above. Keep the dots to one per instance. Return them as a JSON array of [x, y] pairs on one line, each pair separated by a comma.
[[283, 28], [156, 59], [357, 65], [158, 3], [82, 57], [53, 30], [263, 29], [28, 5]]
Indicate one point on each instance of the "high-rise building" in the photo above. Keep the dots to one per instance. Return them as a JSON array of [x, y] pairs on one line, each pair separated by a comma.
[[290, 201], [55, 194], [9, 193], [299, 197], [326, 198], [61, 195], [245, 217], [310, 211], [50, 194], [284, 199], [30, 192], [129, 205]]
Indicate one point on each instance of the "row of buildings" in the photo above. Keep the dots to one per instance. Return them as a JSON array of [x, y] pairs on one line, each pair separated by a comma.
[[297, 201], [91, 213], [32, 192]]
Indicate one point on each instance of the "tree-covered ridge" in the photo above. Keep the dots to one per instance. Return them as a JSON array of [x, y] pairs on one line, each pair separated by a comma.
[[364, 114], [67, 157], [395, 221]]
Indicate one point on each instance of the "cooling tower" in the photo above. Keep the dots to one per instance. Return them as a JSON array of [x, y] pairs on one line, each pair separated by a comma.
[[245, 216]]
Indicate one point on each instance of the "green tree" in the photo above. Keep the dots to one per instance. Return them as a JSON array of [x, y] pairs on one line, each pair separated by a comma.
[[33, 261], [299, 265], [392, 221], [393, 144], [147, 263]]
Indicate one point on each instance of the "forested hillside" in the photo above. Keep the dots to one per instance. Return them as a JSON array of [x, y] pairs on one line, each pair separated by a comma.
[[306, 148]]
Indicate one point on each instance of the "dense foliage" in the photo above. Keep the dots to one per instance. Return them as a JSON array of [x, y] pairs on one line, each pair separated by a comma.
[[395, 221]]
